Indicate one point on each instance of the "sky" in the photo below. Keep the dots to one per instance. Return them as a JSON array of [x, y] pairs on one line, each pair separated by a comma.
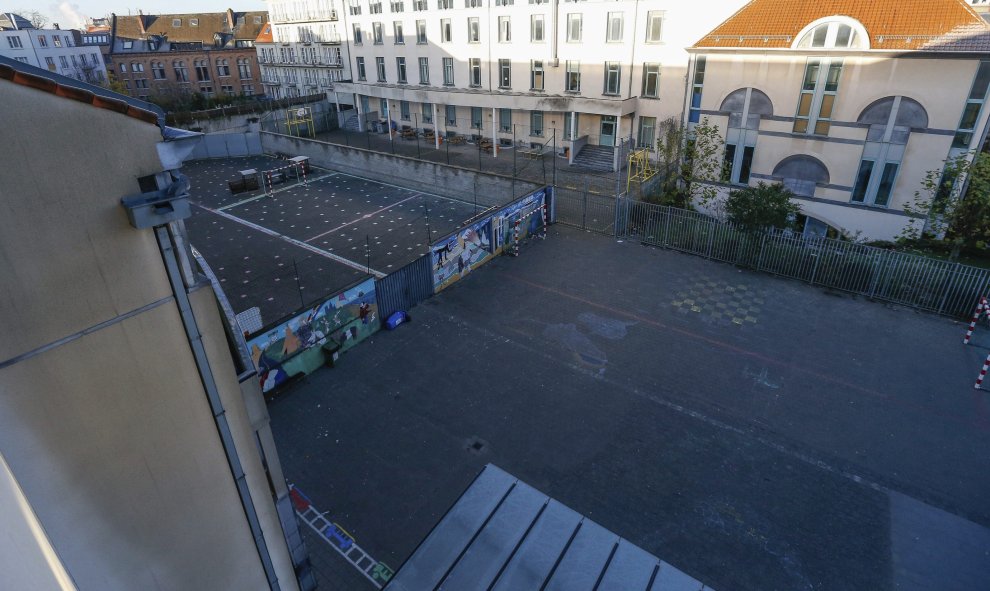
[[72, 15]]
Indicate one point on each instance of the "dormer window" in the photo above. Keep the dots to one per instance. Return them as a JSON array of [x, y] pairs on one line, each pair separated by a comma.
[[194, 22], [834, 33], [176, 22]]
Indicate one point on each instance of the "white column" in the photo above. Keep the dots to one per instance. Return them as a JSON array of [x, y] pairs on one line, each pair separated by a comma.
[[494, 136], [573, 127], [436, 127], [388, 121], [340, 118], [357, 105]]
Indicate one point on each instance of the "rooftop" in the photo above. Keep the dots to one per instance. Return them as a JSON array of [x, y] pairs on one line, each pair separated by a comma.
[[192, 27]]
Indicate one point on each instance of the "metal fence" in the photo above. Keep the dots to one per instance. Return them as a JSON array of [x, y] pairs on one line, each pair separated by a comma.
[[404, 288], [587, 205]]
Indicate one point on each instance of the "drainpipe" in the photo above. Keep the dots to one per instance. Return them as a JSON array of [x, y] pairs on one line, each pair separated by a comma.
[[163, 211]]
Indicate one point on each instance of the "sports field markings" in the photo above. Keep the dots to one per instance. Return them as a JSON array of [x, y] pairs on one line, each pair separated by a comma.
[[367, 215], [309, 247], [263, 195], [454, 199]]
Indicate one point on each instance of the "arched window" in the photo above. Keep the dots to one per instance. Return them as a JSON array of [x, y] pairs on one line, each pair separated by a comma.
[[181, 73], [223, 67], [801, 173], [834, 32], [243, 68], [202, 70], [158, 70], [890, 120], [745, 107]]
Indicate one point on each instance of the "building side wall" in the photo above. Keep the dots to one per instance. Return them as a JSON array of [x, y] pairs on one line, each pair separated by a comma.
[[130, 68]]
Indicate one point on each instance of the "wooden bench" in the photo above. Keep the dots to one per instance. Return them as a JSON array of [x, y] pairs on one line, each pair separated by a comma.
[[533, 154]]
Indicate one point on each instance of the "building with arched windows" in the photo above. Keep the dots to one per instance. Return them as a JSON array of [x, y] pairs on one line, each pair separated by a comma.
[[846, 102]]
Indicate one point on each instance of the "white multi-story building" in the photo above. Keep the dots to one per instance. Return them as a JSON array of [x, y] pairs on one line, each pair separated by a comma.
[[300, 50], [581, 73], [51, 49]]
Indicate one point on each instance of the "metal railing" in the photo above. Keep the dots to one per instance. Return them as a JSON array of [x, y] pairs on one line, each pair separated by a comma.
[[920, 282]]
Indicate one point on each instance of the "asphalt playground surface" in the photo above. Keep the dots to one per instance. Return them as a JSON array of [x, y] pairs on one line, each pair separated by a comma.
[[308, 240], [755, 432]]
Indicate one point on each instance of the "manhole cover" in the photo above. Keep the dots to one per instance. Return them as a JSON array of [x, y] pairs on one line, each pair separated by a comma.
[[476, 445]]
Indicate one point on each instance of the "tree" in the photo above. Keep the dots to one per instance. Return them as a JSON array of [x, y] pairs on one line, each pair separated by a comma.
[[761, 207], [38, 20], [688, 159], [953, 204]]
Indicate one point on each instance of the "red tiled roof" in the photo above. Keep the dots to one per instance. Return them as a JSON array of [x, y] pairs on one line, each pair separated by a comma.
[[42, 83], [207, 23], [919, 25]]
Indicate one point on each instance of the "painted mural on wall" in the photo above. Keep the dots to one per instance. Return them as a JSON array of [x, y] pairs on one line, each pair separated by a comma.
[[296, 346], [504, 220], [458, 255]]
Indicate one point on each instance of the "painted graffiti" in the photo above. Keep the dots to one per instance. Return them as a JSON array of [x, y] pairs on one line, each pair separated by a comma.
[[527, 210], [337, 536], [456, 256], [297, 346]]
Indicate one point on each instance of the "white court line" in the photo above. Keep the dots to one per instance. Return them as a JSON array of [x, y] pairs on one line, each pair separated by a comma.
[[354, 176], [309, 247], [366, 216], [263, 195]]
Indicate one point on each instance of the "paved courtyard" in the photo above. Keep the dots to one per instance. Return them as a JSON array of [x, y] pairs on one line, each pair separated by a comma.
[[754, 432]]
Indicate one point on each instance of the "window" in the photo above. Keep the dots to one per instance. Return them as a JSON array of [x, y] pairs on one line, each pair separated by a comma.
[[473, 3], [396, 6], [424, 70], [536, 123], [574, 28], [358, 39], [194, 22], [141, 83], [745, 106], [448, 71], [63, 61], [654, 26], [137, 67], [202, 70], [361, 73], [404, 110], [614, 32], [421, 32], [374, 6], [354, 7], [243, 68], [68, 43], [611, 78], [446, 32], [651, 80], [974, 104], [536, 28], [376, 30], [397, 32], [474, 30], [694, 114], [158, 70], [247, 89], [504, 73], [451, 114], [505, 120], [181, 73], [127, 83], [891, 120], [419, 5], [572, 77], [536, 75], [504, 29], [475, 66], [380, 63], [817, 100], [427, 110], [176, 23], [445, 4], [223, 67], [400, 66], [505, 2], [647, 132], [43, 41], [50, 61], [831, 34], [476, 117], [58, 42], [14, 42]]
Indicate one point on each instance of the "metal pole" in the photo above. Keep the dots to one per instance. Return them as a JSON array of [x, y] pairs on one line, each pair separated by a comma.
[[416, 133], [555, 156], [388, 125]]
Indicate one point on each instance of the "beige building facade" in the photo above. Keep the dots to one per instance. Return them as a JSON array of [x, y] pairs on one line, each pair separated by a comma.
[[845, 102], [134, 451]]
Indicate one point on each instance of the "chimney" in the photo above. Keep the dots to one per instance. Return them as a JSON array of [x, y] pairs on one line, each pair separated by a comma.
[[230, 19], [141, 22]]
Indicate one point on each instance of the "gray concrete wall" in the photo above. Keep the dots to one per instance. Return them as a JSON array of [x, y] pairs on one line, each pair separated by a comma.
[[227, 145], [441, 179]]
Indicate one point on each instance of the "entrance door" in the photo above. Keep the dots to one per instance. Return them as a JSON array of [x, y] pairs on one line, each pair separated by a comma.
[[607, 137]]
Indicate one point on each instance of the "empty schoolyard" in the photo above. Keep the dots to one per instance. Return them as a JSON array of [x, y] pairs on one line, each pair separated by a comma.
[[755, 432]]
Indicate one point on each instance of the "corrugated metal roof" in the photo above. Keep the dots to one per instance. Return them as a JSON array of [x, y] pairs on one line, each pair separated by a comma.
[[919, 25], [70, 88], [505, 535]]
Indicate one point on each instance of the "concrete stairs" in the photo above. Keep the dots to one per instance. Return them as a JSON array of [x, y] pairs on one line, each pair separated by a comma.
[[596, 158]]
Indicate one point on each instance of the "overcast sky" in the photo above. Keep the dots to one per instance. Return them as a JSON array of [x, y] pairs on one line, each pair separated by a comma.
[[72, 15]]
